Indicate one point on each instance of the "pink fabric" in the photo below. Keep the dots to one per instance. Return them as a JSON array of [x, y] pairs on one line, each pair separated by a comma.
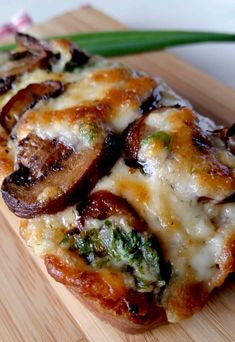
[[21, 21], [85, 6], [17, 23]]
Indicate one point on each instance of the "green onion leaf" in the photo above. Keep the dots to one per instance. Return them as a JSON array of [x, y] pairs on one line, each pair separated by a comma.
[[116, 43]]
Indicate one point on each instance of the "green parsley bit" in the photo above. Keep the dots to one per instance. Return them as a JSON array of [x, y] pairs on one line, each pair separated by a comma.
[[158, 135], [125, 249]]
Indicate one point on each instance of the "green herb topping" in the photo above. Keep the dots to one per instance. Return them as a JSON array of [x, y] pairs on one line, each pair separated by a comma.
[[88, 132], [158, 135], [125, 249]]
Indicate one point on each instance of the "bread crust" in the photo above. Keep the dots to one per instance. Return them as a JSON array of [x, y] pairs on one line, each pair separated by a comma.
[[106, 296], [117, 321]]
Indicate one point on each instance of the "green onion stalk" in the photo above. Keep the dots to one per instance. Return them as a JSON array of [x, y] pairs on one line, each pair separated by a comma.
[[117, 43]]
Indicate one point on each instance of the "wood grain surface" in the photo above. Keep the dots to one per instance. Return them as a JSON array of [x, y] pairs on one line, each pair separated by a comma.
[[33, 307]]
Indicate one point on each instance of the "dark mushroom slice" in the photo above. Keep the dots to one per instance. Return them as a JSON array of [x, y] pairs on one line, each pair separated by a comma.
[[41, 155], [139, 133], [26, 99], [59, 182], [56, 49], [225, 133], [6, 84], [103, 204], [231, 131], [31, 43], [18, 55], [229, 199], [78, 57], [21, 62], [151, 103], [17, 64], [131, 140]]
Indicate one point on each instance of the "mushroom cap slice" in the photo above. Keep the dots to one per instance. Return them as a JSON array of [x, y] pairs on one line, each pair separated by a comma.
[[6, 84], [21, 62], [103, 204], [69, 54], [17, 64], [61, 182], [131, 140], [26, 99]]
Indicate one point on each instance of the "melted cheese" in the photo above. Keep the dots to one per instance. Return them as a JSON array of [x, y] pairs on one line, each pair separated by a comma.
[[192, 234], [78, 135], [111, 92], [168, 96], [40, 75], [45, 233]]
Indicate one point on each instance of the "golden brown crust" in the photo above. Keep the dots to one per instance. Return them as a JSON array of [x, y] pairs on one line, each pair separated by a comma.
[[186, 298], [118, 321], [104, 292], [226, 262], [6, 162]]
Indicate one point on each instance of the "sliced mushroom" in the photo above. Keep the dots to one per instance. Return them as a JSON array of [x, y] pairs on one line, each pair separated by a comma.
[[27, 98], [39, 53], [61, 49], [17, 64], [41, 156], [31, 43], [131, 140], [22, 62], [6, 84], [103, 204], [225, 133], [151, 103], [231, 131], [133, 136], [18, 55], [229, 199], [29, 193]]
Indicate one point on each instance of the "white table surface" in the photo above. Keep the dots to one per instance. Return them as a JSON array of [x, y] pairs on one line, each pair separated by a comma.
[[217, 15]]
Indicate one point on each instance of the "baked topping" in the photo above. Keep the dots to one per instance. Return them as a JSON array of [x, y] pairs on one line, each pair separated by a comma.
[[26, 99], [43, 184], [61, 54], [151, 229]]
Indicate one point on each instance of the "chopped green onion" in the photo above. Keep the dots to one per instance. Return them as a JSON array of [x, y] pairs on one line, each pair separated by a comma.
[[116, 43], [158, 135], [129, 251]]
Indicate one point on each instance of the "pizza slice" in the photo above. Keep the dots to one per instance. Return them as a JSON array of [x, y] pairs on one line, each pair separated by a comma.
[[124, 190]]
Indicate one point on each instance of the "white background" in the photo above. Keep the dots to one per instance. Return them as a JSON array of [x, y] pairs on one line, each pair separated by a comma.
[[216, 15]]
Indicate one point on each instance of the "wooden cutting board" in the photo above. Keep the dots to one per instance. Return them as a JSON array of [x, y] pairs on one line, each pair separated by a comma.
[[33, 307]]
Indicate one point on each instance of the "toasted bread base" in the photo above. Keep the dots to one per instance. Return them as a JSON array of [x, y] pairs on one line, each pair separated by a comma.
[[119, 322]]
